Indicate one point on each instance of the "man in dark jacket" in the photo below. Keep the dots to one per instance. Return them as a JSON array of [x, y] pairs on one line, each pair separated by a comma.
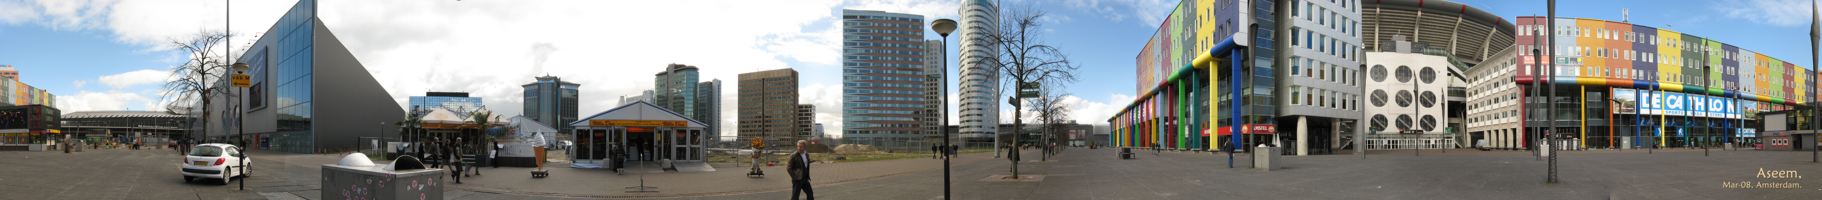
[[800, 172]]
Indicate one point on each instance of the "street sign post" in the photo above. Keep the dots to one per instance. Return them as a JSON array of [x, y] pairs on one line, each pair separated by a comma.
[[242, 80]]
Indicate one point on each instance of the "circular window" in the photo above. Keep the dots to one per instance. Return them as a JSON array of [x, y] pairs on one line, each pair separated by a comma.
[[1378, 98], [1404, 122], [1378, 73], [1403, 99], [1428, 99], [1428, 75], [1428, 123], [1403, 74], [1378, 123]]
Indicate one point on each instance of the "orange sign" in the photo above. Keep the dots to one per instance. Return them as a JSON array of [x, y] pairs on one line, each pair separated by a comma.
[[637, 123], [242, 80]]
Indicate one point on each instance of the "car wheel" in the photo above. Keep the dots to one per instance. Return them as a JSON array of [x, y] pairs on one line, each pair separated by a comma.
[[187, 179], [224, 175], [248, 173]]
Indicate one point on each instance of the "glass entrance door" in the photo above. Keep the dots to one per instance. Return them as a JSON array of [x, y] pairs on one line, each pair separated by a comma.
[[686, 144]]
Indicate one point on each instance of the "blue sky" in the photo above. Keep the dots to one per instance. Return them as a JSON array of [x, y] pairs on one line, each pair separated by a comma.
[[109, 55]]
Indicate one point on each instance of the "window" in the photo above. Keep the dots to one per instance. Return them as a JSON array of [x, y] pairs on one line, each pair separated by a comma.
[[1295, 65], [1294, 11], [1294, 92], [1294, 33]]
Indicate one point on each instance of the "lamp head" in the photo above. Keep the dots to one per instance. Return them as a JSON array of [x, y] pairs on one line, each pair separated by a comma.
[[943, 26], [240, 67]]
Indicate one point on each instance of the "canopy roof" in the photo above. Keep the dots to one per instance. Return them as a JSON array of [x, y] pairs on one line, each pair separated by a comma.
[[638, 111]]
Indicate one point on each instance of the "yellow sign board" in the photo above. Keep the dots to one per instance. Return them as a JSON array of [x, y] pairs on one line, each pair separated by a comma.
[[638, 123], [243, 80]]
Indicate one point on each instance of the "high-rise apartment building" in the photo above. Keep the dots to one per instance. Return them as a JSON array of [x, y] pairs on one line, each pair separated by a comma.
[[882, 76], [933, 87], [552, 102], [767, 106], [980, 97], [677, 89]]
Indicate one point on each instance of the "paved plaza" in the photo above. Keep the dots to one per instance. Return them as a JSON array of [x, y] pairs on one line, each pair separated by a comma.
[[1075, 174]]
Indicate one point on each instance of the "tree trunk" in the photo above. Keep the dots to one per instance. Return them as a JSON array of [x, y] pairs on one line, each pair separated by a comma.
[[1016, 126]]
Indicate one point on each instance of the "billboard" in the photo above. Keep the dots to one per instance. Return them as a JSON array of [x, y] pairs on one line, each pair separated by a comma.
[[1628, 101]]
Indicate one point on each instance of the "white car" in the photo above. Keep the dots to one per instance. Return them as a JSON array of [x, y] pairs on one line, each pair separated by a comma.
[[217, 161]]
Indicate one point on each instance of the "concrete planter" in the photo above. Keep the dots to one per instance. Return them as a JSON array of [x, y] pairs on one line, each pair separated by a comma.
[[375, 182]]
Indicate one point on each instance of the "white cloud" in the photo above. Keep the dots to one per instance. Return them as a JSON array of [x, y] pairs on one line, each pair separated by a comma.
[[80, 83], [490, 48], [89, 100], [130, 79], [1774, 12]]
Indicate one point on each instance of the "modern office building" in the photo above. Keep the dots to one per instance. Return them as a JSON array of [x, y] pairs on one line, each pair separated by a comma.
[[883, 80], [678, 90], [768, 107], [454, 101], [979, 106], [644, 96], [552, 102], [287, 108], [1622, 85], [1492, 106], [1297, 88], [933, 88], [1407, 83]]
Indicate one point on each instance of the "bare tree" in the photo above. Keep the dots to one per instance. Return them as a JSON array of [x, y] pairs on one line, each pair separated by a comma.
[[1022, 57], [1050, 111], [200, 78]]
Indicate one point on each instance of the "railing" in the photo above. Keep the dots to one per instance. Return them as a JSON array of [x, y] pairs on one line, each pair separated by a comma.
[[1411, 141]]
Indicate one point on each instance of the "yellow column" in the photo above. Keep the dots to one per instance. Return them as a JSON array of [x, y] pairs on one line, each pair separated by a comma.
[[1584, 109], [1214, 104]]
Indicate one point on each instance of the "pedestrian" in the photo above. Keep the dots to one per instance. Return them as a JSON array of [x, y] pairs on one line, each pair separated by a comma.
[[436, 153], [453, 151], [1154, 149], [800, 172], [495, 154], [935, 153], [955, 151]]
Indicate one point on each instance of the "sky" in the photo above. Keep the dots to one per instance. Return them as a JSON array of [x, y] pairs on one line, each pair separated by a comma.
[[114, 54]]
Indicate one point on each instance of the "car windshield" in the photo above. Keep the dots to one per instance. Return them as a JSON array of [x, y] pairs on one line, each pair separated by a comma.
[[207, 151]]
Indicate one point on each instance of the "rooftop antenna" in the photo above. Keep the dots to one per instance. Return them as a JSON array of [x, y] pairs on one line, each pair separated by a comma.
[[1625, 15]]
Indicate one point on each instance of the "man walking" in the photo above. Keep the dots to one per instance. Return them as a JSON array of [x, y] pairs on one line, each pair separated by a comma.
[[800, 172]]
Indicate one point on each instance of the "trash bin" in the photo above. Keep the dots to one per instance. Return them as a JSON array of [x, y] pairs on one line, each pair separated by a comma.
[[1125, 153], [355, 177]]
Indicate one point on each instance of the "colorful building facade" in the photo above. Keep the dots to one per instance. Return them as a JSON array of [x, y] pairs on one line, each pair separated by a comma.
[[1621, 85]]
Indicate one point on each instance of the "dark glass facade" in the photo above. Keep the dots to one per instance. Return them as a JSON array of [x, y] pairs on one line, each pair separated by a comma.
[[551, 102]]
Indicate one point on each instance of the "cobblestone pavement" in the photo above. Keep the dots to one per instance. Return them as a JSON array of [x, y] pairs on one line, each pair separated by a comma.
[[1075, 174]]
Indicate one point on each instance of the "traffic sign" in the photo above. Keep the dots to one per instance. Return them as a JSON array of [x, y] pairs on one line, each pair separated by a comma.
[[1028, 86], [243, 80]]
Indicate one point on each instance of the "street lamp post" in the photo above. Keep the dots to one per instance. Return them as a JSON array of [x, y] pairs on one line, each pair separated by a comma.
[[943, 27]]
